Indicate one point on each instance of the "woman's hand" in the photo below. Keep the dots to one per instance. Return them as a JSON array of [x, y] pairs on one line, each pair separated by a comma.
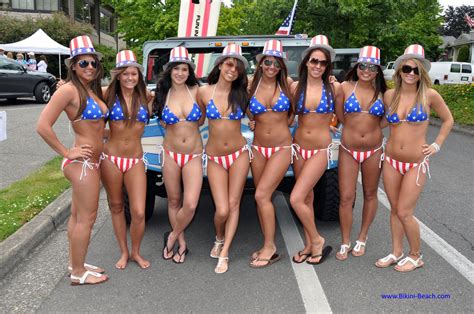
[[334, 130], [332, 79], [82, 151], [60, 83], [431, 149], [252, 125]]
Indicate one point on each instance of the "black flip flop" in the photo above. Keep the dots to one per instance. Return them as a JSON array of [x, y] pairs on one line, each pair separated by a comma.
[[301, 254], [185, 253], [165, 247], [325, 253], [275, 258]]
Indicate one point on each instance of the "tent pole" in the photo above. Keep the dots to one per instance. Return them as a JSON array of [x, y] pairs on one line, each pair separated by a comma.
[[59, 65]]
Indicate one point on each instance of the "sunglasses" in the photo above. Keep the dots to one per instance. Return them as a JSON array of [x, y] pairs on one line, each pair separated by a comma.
[[407, 70], [367, 66], [84, 64], [323, 63], [230, 64], [269, 63]]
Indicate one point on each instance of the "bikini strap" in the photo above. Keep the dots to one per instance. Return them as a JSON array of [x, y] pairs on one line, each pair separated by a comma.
[[190, 95], [214, 91], [256, 89], [354, 89], [167, 97]]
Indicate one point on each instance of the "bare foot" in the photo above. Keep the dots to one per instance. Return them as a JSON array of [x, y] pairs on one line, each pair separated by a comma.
[[122, 262], [141, 262], [255, 255]]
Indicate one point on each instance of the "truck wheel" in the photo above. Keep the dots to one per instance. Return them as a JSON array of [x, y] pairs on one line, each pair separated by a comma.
[[42, 93], [326, 196]]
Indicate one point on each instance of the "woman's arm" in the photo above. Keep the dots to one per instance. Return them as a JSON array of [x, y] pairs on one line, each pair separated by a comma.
[[198, 93], [339, 105]]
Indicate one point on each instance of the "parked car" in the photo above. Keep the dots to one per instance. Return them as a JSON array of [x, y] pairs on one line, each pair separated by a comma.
[[16, 81], [451, 73], [204, 51], [389, 70]]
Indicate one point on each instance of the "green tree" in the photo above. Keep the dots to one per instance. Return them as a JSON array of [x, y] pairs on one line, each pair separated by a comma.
[[463, 55], [454, 22]]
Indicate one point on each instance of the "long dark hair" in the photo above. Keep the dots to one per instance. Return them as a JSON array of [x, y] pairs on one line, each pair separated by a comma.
[[238, 94], [163, 85], [380, 84], [95, 84], [138, 96], [303, 78], [281, 80]]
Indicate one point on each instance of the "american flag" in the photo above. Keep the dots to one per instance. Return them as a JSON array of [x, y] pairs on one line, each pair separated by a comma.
[[287, 25], [469, 20]]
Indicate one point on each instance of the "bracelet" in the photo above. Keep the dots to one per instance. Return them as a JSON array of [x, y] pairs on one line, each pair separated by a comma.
[[436, 146]]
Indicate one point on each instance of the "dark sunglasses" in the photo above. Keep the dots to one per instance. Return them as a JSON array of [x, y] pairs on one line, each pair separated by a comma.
[[84, 64], [323, 63], [407, 70], [269, 63], [367, 66], [230, 64]]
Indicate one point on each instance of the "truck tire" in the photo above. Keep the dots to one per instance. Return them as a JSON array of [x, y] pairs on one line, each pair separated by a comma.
[[42, 93], [326, 196]]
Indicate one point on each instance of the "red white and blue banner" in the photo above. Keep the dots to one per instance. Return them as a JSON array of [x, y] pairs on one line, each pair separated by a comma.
[[469, 21], [287, 25]]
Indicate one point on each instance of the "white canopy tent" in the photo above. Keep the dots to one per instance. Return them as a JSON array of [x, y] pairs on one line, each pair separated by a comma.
[[39, 42]]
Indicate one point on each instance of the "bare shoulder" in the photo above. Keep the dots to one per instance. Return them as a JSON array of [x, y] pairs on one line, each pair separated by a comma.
[[293, 86], [388, 96], [289, 80]]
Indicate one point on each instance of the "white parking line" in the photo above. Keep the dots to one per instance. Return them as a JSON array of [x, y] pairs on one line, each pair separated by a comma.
[[312, 293]]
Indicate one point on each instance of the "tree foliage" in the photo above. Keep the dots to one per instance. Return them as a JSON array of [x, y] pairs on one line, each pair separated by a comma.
[[454, 23]]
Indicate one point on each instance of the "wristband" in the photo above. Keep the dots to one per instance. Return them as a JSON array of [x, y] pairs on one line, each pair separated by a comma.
[[436, 146]]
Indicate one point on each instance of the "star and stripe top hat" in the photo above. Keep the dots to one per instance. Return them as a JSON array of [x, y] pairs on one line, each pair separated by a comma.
[[179, 55], [320, 41], [273, 48], [232, 51], [126, 58], [81, 45], [369, 54], [414, 51]]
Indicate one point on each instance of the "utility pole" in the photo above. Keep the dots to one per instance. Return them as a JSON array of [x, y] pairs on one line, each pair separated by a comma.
[[97, 18]]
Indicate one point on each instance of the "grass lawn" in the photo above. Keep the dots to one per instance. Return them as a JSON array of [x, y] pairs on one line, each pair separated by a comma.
[[21, 201]]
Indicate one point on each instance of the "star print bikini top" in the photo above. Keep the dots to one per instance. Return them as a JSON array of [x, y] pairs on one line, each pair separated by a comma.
[[282, 104], [352, 105], [170, 118], [92, 111], [416, 114], [323, 107], [213, 113], [116, 114]]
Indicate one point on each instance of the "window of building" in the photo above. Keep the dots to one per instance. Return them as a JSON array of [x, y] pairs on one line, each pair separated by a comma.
[[5, 4], [47, 5], [105, 23], [65, 6], [82, 11], [23, 4]]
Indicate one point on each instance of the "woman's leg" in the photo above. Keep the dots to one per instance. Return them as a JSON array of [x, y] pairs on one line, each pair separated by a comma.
[[135, 183], [219, 184], [273, 172], [370, 184], [112, 178], [309, 175], [85, 197], [257, 165]]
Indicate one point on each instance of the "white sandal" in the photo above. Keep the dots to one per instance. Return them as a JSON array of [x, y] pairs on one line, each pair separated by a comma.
[[82, 280], [416, 264], [88, 267], [358, 248], [217, 248], [345, 249], [220, 263], [388, 258]]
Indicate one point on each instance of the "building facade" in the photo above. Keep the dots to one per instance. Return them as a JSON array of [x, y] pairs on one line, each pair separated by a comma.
[[101, 17]]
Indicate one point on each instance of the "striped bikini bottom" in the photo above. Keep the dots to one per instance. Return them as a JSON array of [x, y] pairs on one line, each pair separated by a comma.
[[363, 156], [308, 153], [124, 164], [267, 152], [404, 167], [226, 161], [85, 164]]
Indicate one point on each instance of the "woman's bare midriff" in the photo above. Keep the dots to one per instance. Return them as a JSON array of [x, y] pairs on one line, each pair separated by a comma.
[[361, 132], [183, 137], [271, 129], [88, 132], [225, 137], [406, 140], [313, 131], [125, 141]]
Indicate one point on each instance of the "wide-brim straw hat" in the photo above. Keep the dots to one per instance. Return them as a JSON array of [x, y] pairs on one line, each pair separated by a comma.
[[413, 52]]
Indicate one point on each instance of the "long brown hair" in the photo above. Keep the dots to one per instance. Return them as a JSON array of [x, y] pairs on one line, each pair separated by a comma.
[[423, 84], [303, 78], [238, 94], [282, 80], [95, 84], [114, 91]]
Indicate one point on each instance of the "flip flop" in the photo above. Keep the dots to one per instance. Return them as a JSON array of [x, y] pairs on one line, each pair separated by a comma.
[[390, 259], [186, 252], [275, 258], [165, 247], [324, 254], [302, 255]]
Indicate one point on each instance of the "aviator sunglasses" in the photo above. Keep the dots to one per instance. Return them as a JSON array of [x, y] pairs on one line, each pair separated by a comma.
[[367, 66], [407, 69], [269, 63], [314, 61], [84, 64]]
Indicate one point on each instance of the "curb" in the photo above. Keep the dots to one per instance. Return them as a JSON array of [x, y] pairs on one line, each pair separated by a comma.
[[468, 130], [17, 246]]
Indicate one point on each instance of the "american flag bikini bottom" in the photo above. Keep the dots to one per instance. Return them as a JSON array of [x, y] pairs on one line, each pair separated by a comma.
[[267, 152], [227, 160], [85, 164], [363, 156], [308, 153], [125, 164], [180, 159], [404, 167]]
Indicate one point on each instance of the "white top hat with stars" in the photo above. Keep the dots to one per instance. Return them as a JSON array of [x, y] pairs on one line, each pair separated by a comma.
[[273, 48], [81, 45], [126, 58], [179, 55], [414, 52], [232, 51], [320, 41], [369, 54]]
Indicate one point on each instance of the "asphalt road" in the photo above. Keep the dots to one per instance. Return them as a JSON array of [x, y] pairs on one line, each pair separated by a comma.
[[445, 208]]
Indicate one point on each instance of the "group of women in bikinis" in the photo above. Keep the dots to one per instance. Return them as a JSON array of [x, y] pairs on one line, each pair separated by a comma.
[[273, 102]]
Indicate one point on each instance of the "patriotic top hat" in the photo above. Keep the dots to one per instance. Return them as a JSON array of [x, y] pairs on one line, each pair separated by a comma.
[[232, 51], [320, 41], [126, 58], [179, 55], [369, 54], [414, 52], [272, 48], [81, 45]]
